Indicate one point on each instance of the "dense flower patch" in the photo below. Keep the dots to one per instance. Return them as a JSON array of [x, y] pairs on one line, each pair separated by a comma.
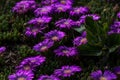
[[62, 34]]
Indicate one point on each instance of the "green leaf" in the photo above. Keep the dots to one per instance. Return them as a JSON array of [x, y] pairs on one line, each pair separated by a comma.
[[80, 29]]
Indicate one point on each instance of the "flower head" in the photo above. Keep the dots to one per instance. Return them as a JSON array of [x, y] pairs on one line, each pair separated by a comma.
[[67, 71], [55, 35], [41, 21], [33, 31], [61, 8], [24, 6], [46, 77], [64, 23], [107, 75], [2, 49], [44, 11], [115, 28], [66, 51], [118, 14], [22, 75], [44, 45], [79, 11], [31, 63], [80, 40]]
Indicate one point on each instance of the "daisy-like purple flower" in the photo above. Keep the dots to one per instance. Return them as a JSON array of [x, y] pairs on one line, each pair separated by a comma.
[[94, 16], [99, 75], [21, 75], [55, 35], [2, 49], [24, 6], [116, 70], [46, 77], [33, 31], [67, 71], [44, 45], [29, 64], [118, 14], [64, 23], [41, 21], [80, 40], [77, 11], [115, 28], [66, 51], [46, 10], [61, 8]]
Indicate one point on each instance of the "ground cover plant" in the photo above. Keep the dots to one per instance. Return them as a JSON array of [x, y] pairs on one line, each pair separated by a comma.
[[59, 40]]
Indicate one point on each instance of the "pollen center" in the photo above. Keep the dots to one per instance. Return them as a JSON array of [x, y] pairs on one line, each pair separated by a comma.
[[21, 78], [44, 48], [83, 41], [27, 67], [65, 51], [67, 71], [103, 78], [62, 1], [55, 38]]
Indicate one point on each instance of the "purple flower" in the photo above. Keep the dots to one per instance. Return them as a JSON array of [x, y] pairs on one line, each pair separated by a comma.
[[116, 70], [67, 71], [46, 10], [80, 40], [55, 35], [48, 2], [43, 46], [61, 8], [46, 77], [94, 16], [24, 6], [31, 63], [107, 75], [41, 21], [118, 14], [79, 11], [33, 31], [115, 28], [64, 23], [66, 51], [22, 75], [2, 49]]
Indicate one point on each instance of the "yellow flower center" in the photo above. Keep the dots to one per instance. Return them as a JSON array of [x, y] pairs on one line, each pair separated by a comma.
[[34, 30], [27, 67], [40, 21], [65, 51], [43, 10], [68, 71], [66, 23], [63, 2], [118, 73], [21, 78], [55, 38], [103, 78], [83, 41], [60, 8], [77, 10], [44, 48]]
